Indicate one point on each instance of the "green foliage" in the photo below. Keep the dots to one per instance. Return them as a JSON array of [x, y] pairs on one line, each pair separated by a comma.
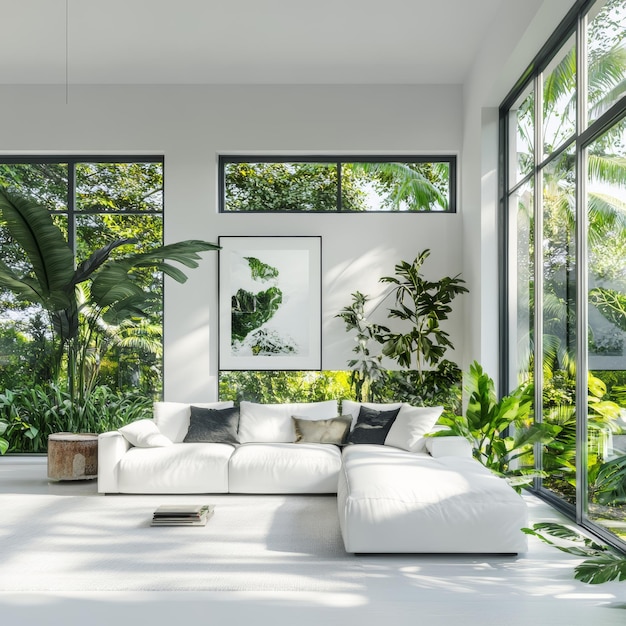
[[423, 304], [607, 482], [300, 186], [501, 431], [612, 305], [269, 387], [601, 564], [28, 415], [251, 310], [438, 387], [112, 291], [366, 370]]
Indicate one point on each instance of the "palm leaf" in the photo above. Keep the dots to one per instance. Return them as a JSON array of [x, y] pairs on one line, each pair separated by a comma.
[[602, 568]]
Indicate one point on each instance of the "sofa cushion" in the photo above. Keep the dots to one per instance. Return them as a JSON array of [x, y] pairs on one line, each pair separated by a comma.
[[179, 468], [333, 431], [391, 500], [372, 426], [449, 446], [284, 468], [352, 408], [144, 434], [213, 425], [411, 424], [172, 418], [272, 423]]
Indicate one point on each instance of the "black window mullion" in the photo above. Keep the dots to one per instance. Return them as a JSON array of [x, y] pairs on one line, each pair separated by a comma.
[[339, 176], [71, 206]]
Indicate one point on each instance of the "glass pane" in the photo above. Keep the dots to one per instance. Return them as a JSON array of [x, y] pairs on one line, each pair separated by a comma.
[[27, 350], [522, 283], [559, 322], [45, 182], [395, 186], [128, 187], [559, 98], [606, 56], [128, 354], [522, 137], [606, 199], [287, 187]]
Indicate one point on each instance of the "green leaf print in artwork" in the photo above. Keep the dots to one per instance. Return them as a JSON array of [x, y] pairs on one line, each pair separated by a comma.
[[252, 310]]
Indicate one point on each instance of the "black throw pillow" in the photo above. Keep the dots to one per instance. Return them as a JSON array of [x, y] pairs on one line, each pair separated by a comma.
[[213, 425], [372, 426]]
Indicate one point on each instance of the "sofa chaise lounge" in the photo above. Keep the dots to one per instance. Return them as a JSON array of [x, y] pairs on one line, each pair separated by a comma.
[[406, 493]]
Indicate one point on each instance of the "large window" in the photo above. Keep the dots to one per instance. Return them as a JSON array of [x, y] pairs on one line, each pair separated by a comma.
[[94, 201], [563, 209], [331, 184]]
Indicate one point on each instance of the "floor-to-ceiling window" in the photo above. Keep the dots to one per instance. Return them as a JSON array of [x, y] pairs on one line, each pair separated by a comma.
[[94, 202], [563, 210]]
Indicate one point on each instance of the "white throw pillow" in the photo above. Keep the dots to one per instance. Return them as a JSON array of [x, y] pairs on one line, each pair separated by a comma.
[[272, 423], [352, 408], [411, 424], [172, 418], [144, 434]]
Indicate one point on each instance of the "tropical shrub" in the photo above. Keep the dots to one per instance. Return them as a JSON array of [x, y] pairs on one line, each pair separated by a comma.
[[28, 415], [501, 431], [421, 305]]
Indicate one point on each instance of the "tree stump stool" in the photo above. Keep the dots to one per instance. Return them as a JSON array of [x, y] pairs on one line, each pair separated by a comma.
[[72, 456]]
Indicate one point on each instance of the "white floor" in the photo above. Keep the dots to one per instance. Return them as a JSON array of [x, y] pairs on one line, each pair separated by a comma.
[[534, 589]]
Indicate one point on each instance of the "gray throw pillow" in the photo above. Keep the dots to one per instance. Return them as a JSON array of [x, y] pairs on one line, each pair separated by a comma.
[[372, 426], [213, 425], [332, 430]]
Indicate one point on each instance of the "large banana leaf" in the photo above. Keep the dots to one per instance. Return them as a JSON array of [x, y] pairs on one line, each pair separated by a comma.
[[52, 261]]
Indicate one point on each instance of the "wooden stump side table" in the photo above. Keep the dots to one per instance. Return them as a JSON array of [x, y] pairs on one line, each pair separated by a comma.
[[72, 456]]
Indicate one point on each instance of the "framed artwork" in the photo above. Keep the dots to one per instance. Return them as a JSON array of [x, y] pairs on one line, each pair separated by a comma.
[[270, 303]]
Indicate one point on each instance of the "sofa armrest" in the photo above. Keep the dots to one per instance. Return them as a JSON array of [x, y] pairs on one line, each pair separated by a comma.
[[449, 446], [112, 446]]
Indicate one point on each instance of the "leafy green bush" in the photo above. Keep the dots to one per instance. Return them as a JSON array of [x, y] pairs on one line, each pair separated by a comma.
[[501, 431], [28, 415], [284, 386]]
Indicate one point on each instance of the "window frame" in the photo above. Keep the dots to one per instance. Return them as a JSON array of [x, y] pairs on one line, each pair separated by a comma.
[[450, 159], [572, 25]]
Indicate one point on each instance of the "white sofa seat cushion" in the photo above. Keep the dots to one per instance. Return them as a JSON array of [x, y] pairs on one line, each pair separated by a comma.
[[272, 423], [285, 468], [391, 500], [179, 468]]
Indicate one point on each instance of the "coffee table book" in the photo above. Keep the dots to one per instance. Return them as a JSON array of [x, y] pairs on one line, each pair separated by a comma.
[[182, 514]]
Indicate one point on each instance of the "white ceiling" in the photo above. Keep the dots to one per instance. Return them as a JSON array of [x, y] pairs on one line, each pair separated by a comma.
[[242, 41]]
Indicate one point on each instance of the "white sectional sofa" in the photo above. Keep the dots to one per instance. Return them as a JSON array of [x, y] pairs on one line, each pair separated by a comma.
[[403, 493]]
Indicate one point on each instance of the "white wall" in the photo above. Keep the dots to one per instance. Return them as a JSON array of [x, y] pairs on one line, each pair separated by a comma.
[[190, 126], [517, 34]]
